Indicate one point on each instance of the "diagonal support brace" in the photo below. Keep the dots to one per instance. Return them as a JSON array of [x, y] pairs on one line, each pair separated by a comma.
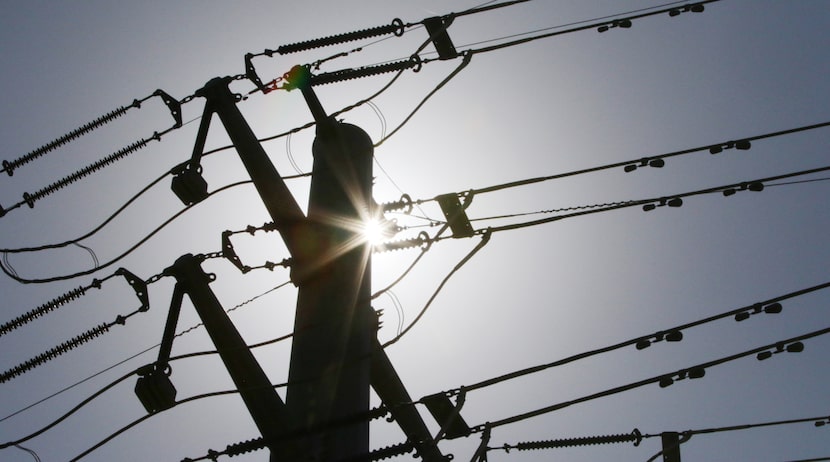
[[265, 406]]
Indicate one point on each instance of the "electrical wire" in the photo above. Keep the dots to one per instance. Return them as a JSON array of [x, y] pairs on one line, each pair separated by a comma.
[[646, 160], [31, 452], [652, 202], [147, 416], [581, 28], [464, 62], [474, 191], [616, 15], [485, 238], [658, 336], [125, 377], [424, 250], [686, 435], [822, 420], [684, 373], [148, 349], [122, 255], [97, 228]]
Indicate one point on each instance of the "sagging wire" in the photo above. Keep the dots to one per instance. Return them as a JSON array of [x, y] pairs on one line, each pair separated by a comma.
[[100, 226], [466, 57], [398, 308], [485, 238], [91, 252], [289, 155], [30, 451], [123, 254]]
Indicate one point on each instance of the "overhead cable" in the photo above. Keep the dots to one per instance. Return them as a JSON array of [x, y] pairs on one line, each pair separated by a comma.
[[647, 160], [485, 238], [664, 380], [673, 200], [670, 334], [622, 22]]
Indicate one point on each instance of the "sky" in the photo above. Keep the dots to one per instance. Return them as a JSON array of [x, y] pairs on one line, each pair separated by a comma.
[[532, 295]]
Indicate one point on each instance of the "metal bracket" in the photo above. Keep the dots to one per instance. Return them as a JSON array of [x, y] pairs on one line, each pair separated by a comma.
[[138, 285], [173, 105]]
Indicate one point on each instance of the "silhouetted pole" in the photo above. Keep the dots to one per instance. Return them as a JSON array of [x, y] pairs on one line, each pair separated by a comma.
[[334, 328]]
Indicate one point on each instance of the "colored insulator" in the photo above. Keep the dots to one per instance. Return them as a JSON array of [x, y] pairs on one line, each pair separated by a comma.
[[54, 352], [245, 447], [634, 437], [30, 199], [42, 310], [349, 74], [9, 167], [396, 27]]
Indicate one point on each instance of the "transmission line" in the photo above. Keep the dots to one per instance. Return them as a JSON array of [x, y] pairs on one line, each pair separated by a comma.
[[790, 345], [670, 334]]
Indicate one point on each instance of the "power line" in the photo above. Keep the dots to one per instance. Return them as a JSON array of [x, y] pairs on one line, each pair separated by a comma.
[[146, 350], [672, 200], [623, 22], [664, 380], [571, 24], [119, 257], [670, 334], [647, 160], [484, 240]]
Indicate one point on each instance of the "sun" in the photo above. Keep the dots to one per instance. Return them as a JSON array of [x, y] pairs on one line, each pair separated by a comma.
[[377, 230]]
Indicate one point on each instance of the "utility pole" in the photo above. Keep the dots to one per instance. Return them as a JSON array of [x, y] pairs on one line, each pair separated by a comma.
[[335, 355], [334, 327]]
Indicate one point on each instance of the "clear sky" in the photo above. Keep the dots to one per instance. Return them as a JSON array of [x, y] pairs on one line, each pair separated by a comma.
[[531, 296]]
